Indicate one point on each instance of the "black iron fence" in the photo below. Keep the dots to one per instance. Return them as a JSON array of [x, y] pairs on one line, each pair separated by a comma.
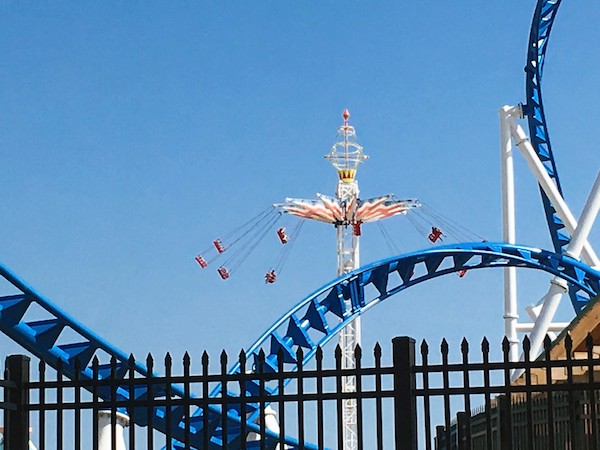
[[406, 402]]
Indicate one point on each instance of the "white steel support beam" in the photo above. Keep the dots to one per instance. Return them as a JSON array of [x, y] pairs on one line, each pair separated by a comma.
[[550, 188], [508, 230], [556, 327]]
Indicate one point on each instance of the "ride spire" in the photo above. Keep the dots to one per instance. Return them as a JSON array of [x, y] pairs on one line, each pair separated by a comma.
[[346, 155]]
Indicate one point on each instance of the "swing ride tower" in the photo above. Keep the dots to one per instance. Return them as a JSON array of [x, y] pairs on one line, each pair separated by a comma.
[[347, 212], [346, 155]]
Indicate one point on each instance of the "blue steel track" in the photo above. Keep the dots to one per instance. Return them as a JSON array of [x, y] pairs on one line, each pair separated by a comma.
[[539, 36], [543, 19], [320, 316], [309, 325]]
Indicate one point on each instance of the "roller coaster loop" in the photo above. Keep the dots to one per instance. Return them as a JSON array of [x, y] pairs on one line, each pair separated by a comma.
[[543, 19]]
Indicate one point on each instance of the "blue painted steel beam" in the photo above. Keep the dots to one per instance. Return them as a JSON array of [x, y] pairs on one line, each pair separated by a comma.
[[307, 326], [42, 339], [541, 26], [539, 36], [322, 314]]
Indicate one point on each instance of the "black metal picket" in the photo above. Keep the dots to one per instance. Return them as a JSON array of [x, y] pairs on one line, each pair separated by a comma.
[[474, 402]]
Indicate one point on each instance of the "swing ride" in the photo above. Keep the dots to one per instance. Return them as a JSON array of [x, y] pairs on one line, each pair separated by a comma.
[[346, 212]]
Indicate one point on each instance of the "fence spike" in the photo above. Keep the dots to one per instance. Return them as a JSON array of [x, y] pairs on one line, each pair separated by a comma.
[[299, 357], [526, 346], [113, 365], [568, 343], [464, 346], [505, 345], [357, 352], [444, 347], [150, 363], [319, 353], [424, 348], [95, 366], [377, 351], [204, 359], [485, 345], [131, 365], [547, 345], [223, 358], [168, 361], [261, 361], [242, 358], [338, 352], [187, 361]]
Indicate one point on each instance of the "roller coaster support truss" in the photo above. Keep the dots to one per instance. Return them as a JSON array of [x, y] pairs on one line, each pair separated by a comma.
[[510, 129]]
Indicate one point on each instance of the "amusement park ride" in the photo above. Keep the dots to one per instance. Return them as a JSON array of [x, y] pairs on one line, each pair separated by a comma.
[[347, 212], [333, 309]]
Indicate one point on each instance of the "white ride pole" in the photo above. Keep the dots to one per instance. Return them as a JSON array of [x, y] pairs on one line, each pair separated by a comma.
[[508, 230], [106, 431]]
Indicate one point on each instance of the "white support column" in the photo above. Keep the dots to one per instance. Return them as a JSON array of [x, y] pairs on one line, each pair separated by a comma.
[[550, 188], [271, 424], [508, 231], [105, 430]]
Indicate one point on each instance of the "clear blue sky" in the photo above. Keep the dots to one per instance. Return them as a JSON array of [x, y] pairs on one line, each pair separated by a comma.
[[133, 133]]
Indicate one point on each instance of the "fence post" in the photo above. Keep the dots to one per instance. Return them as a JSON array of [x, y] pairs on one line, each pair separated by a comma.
[[505, 421], [579, 412], [463, 433], [405, 404], [16, 421], [440, 438]]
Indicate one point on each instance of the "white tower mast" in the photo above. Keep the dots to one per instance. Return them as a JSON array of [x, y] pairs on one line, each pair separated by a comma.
[[345, 156]]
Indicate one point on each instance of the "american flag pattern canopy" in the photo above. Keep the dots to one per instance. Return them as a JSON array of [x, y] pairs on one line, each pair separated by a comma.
[[332, 210]]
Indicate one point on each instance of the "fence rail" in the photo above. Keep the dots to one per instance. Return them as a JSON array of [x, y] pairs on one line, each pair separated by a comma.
[[408, 403]]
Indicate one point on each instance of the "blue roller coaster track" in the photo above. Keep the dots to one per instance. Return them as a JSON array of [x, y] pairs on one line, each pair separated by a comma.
[[543, 19], [541, 26], [320, 316], [309, 325], [41, 338]]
